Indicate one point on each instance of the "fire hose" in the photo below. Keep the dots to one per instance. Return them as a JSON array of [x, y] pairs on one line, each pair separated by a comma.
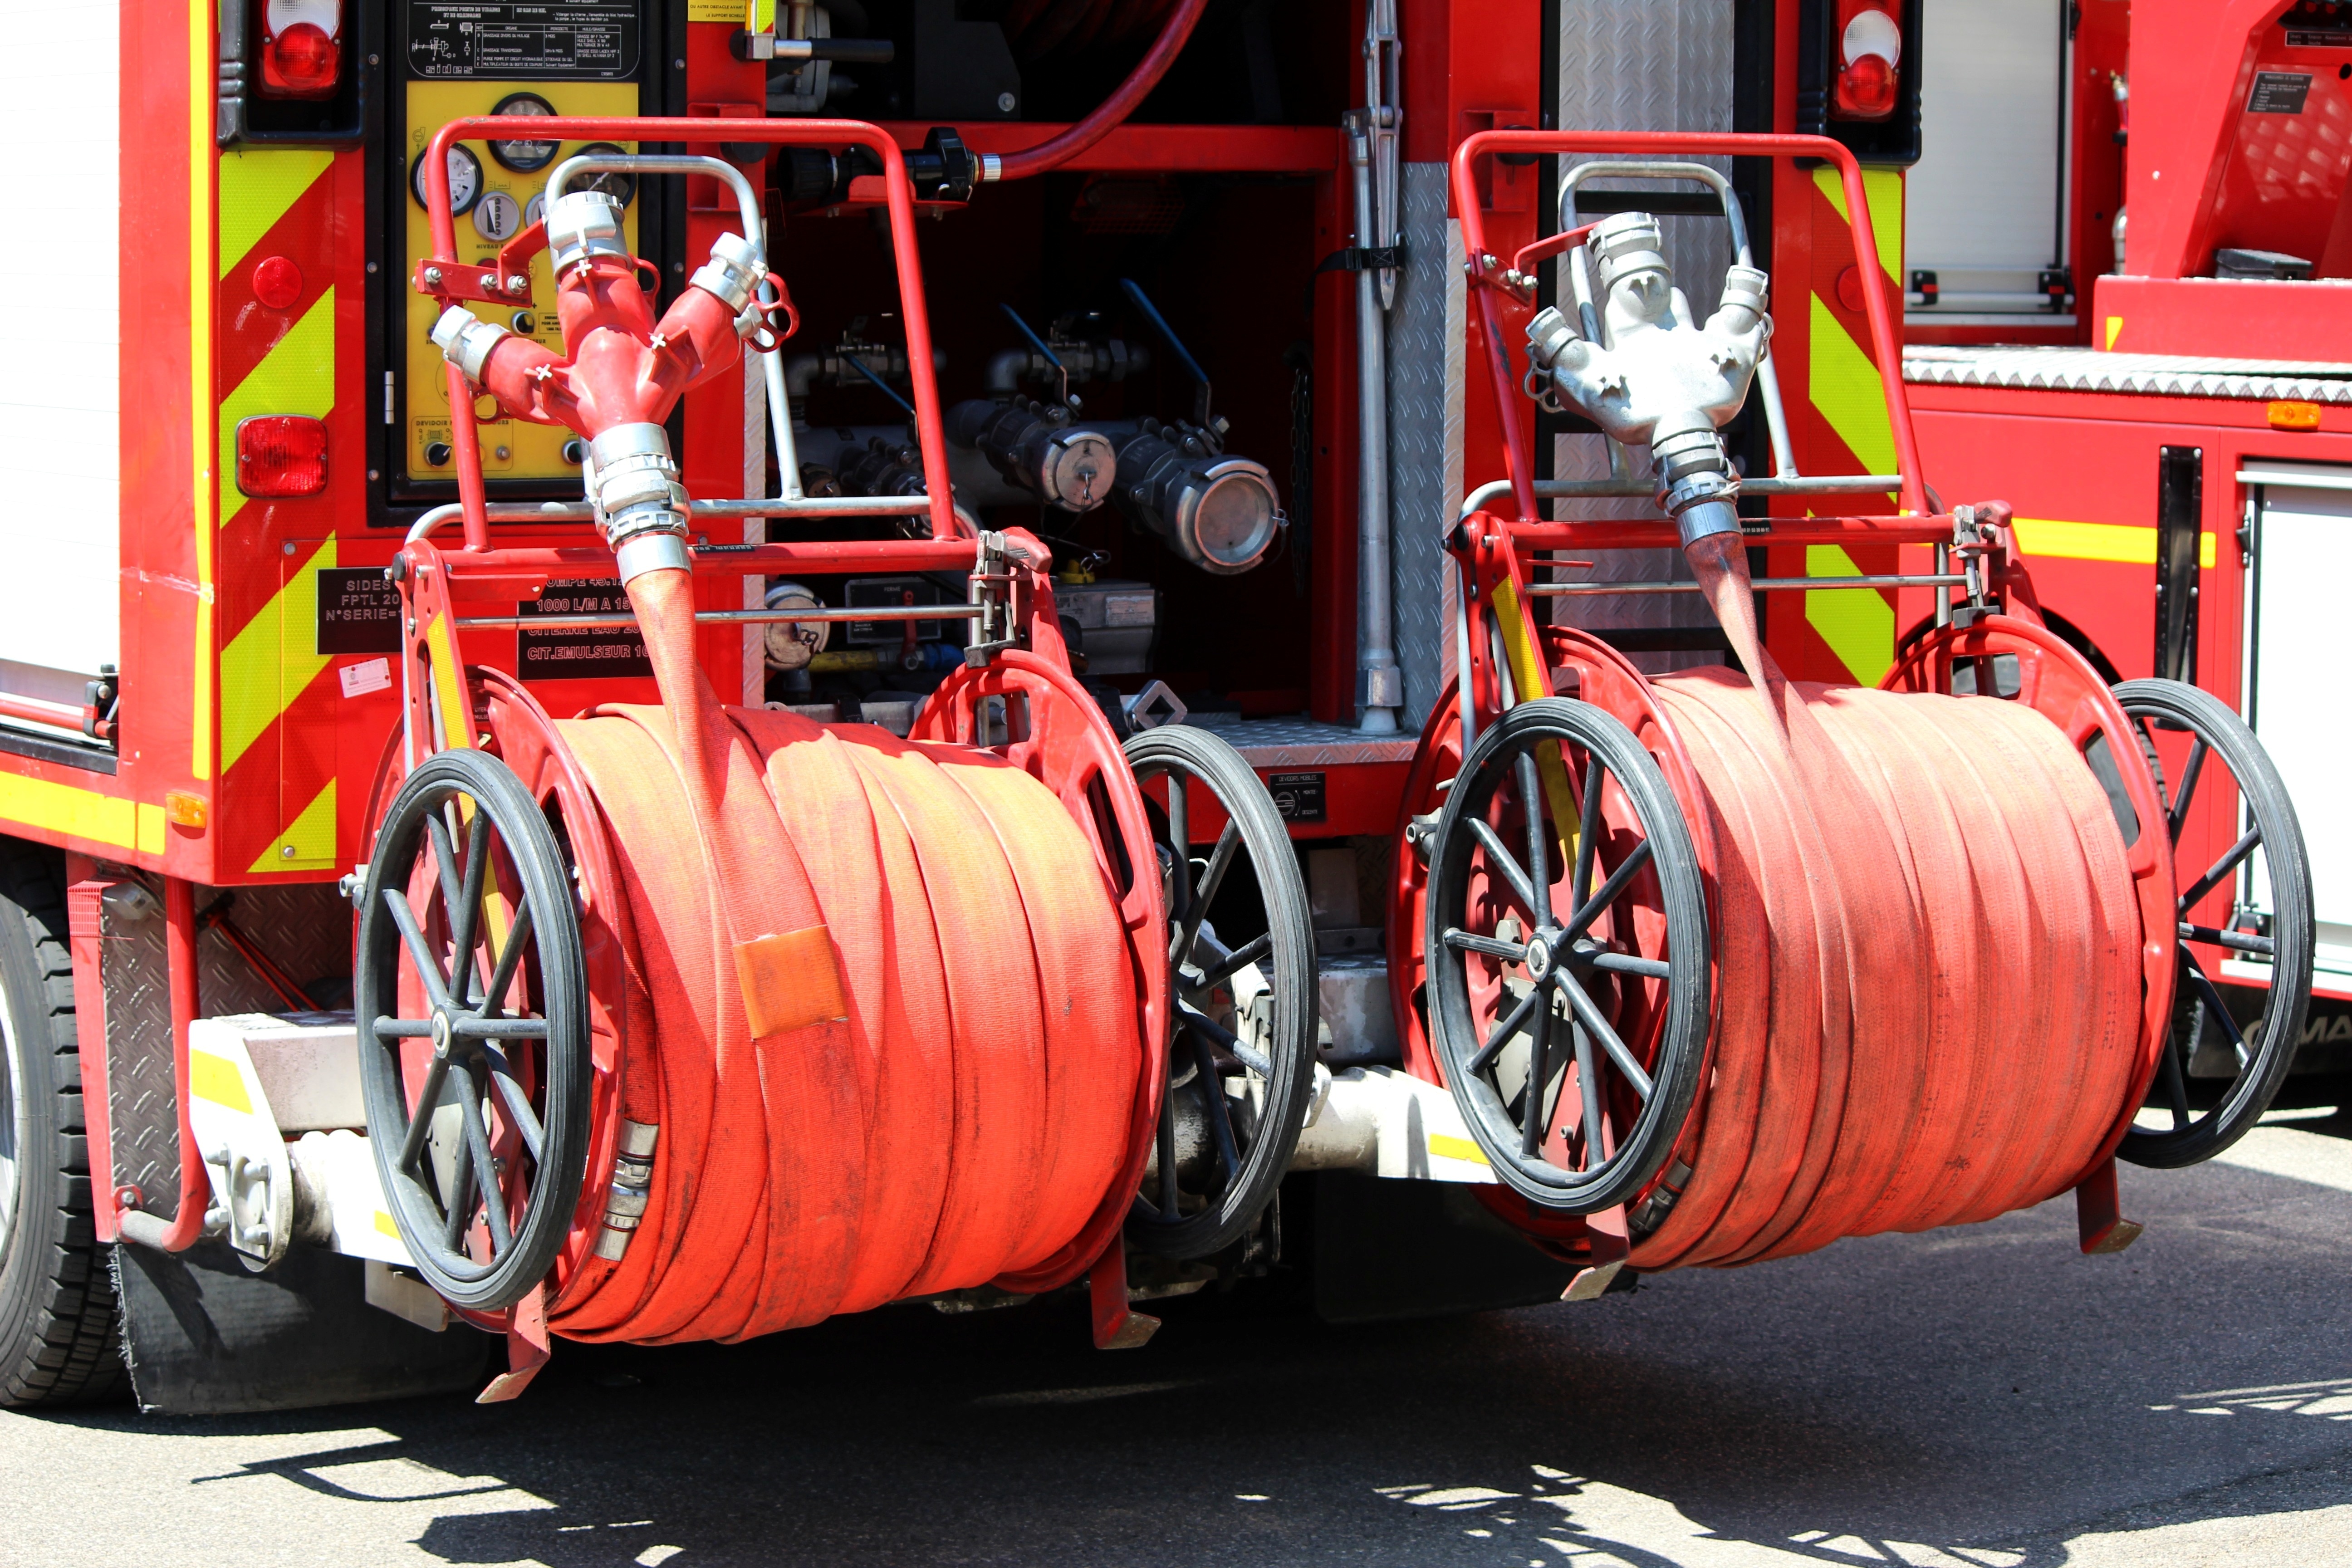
[[1933, 920], [885, 1028], [961, 1116]]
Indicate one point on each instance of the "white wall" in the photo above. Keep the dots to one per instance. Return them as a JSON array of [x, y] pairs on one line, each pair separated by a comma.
[[60, 544]]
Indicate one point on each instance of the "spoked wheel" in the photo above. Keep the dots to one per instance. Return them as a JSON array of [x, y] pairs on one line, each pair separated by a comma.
[[1237, 1091], [473, 1029], [1568, 956], [2246, 808]]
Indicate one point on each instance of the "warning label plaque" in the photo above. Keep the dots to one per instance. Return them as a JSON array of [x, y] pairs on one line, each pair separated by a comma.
[[574, 653], [591, 38]]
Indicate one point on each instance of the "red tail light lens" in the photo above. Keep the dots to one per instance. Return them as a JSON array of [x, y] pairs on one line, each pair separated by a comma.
[[1870, 46], [281, 457], [301, 47]]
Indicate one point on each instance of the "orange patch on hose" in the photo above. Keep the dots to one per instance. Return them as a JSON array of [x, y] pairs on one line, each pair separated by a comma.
[[789, 980]]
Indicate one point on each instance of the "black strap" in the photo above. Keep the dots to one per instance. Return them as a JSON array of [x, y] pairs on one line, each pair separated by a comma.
[[1363, 258]]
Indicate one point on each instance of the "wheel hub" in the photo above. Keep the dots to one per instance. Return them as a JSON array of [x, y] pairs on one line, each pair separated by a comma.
[[1538, 959], [444, 1031]]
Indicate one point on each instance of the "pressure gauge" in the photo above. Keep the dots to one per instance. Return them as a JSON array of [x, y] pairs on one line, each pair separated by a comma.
[[620, 188], [497, 216], [465, 181], [525, 157], [535, 210]]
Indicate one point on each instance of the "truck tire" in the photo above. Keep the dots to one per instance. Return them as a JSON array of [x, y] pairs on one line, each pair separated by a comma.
[[58, 1343]]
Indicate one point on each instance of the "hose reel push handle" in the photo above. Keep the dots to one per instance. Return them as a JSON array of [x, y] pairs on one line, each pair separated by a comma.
[[1496, 283], [442, 275]]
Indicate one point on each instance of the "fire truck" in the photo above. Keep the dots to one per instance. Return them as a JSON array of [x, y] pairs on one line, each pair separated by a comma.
[[703, 664]]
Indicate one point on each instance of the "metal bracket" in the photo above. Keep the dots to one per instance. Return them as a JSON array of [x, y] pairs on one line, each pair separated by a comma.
[[991, 590]]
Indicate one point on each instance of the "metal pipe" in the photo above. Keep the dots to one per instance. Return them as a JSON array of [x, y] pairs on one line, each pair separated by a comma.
[[1762, 585], [785, 506], [187, 1223], [727, 617], [1379, 684], [1580, 489], [747, 201]]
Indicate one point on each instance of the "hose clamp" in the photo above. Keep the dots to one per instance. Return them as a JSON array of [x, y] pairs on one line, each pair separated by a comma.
[[732, 273], [466, 340], [633, 491]]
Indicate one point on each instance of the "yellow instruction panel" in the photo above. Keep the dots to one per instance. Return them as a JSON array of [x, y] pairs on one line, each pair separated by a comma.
[[496, 190]]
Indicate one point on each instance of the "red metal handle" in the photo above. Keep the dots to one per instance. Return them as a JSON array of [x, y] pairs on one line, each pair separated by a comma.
[[897, 189], [1886, 346]]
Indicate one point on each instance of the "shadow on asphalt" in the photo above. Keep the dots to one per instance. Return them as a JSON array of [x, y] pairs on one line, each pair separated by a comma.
[[1913, 1398]]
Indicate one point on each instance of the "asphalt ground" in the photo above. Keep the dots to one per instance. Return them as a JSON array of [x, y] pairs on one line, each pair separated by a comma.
[[1983, 1396]]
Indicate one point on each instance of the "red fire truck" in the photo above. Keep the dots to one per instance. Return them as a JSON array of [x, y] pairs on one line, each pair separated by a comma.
[[713, 663]]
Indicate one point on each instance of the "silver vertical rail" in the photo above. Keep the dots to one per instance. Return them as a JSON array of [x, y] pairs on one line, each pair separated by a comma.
[[1379, 683]]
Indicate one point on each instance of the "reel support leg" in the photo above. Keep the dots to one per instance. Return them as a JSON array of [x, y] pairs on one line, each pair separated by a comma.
[[2098, 1215]]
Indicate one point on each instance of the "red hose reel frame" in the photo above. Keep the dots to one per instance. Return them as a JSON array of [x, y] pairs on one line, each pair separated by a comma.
[[1067, 744], [1493, 553]]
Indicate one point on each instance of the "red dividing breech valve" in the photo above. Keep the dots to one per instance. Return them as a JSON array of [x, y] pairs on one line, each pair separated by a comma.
[[624, 371]]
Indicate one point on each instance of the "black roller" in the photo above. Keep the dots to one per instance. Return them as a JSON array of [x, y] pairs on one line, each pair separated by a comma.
[[1572, 1032], [2270, 841], [483, 1183], [1237, 1096]]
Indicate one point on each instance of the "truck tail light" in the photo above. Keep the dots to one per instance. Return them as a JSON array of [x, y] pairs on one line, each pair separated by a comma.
[[1870, 46], [281, 457], [301, 49]]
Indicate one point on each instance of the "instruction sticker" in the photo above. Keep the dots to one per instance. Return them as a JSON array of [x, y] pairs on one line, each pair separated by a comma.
[[2278, 92], [370, 675], [1298, 796], [592, 38]]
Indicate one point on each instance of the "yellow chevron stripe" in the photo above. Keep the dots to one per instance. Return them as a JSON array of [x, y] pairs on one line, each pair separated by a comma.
[[1857, 623], [2097, 542], [297, 376], [201, 159], [1846, 392], [266, 666], [1882, 189], [257, 188], [310, 837]]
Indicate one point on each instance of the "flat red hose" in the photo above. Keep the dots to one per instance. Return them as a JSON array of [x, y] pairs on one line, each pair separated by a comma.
[[880, 1009], [1928, 930]]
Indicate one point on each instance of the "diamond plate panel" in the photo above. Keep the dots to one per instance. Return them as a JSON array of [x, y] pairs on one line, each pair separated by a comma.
[[1654, 65], [1644, 65], [1304, 743], [1425, 386], [307, 929]]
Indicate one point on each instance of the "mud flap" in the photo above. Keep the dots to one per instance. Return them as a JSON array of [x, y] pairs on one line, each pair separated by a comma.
[[1385, 1250], [203, 1337]]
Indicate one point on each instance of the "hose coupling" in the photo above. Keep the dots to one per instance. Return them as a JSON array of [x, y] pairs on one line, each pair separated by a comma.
[[1625, 243], [632, 1188], [1549, 336], [633, 491], [733, 273], [582, 225], [465, 340], [1696, 485]]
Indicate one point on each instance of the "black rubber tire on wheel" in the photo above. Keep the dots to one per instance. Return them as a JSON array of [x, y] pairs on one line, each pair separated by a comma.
[[532, 1063], [1655, 865], [1255, 828], [59, 1340], [2271, 1044]]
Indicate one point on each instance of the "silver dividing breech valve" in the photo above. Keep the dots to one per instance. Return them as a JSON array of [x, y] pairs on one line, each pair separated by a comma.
[[1655, 379]]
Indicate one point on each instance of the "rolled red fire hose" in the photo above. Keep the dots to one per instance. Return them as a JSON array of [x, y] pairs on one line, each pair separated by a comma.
[[1931, 1004], [961, 1108]]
